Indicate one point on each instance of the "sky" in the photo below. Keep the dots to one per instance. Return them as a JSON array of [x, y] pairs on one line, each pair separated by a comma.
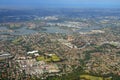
[[60, 3]]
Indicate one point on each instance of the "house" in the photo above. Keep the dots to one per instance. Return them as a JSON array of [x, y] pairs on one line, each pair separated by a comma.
[[32, 52]]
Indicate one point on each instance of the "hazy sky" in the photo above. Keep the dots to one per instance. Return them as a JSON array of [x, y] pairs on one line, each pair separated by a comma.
[[60, 3]]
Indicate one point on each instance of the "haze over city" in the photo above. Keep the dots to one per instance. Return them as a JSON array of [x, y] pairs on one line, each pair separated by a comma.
[[60, 3]]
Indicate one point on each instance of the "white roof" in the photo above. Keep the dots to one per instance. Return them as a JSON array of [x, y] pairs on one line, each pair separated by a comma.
[[32, 52]]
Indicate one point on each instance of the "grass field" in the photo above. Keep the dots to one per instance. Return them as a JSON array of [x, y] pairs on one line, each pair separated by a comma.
[[89, 77]]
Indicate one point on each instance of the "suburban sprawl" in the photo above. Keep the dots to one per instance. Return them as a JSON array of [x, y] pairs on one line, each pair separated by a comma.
[[64, 44]]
